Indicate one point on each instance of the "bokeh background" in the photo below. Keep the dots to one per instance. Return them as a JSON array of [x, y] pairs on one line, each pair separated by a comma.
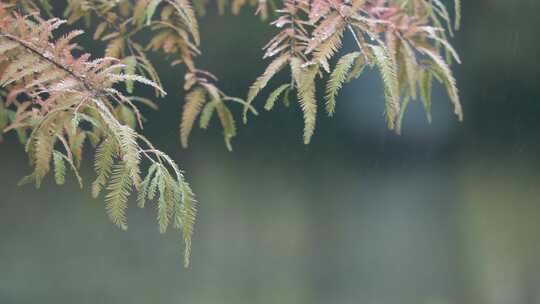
[[447, 213]]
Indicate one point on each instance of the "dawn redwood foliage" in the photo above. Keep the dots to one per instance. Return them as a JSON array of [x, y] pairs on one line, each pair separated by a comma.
[[60, 100]]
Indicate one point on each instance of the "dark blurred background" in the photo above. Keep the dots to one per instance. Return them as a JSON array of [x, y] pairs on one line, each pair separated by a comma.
[[447, 213]]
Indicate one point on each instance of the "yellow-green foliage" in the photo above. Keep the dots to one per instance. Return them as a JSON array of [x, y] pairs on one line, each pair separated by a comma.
[[337, 79]]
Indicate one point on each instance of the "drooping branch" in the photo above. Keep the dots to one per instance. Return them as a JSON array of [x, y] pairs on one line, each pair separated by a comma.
[[63, 91]]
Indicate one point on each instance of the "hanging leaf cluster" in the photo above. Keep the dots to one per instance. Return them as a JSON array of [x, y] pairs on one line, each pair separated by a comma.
[[406, 40], [60, 104]]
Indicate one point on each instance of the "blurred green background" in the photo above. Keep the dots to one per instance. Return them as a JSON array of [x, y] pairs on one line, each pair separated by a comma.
[[446, 213]]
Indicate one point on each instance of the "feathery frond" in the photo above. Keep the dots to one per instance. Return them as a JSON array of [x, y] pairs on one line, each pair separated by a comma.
[[119, 189], [59, 168], [425, 85], [305, 79], [192, 107], [457, 12], [440, 67], [186, 219], [271, 101], [206, 115], [337, 78], [262, 81], [105, 154], [391, 90]]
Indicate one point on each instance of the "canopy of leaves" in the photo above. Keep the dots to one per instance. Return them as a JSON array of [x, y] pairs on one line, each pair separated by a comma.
[[60, 101]]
